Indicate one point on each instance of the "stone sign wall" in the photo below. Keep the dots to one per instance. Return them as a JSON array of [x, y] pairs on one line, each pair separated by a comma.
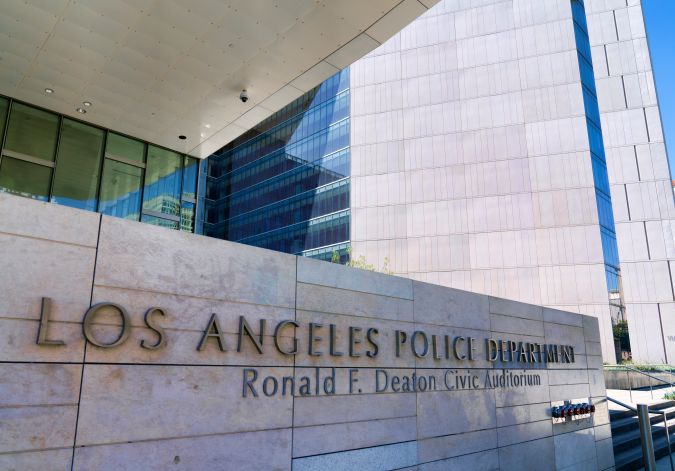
[[125, 346]]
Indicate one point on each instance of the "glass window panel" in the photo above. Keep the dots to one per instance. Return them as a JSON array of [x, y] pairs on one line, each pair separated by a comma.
[[190, 177], [187, 217], [25, 178], [4, 104], [162, 181], [159, 222], [262, 184], [78, 165], [125, 147], [121, 190], [32, 131]]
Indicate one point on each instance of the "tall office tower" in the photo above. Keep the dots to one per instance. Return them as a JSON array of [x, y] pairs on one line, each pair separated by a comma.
[[478, 159], [284, 185], [638, 172], [493, 145]]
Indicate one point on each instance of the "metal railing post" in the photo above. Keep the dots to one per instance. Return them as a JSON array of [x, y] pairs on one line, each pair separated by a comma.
[[670, 453], [646, 438], [630, 387]]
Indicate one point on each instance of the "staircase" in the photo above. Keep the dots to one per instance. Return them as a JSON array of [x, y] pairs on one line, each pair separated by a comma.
[[626, 435]]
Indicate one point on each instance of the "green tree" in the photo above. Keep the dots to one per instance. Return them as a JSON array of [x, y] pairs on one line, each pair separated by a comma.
[[620, 331]]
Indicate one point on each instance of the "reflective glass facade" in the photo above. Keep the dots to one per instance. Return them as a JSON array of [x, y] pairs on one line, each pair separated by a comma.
[[284, 185], [51, 157], [602, 191]]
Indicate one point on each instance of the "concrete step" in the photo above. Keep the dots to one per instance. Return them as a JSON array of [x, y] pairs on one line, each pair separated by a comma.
[[631, 439], [629, 423], [631, 459], [626, 435]]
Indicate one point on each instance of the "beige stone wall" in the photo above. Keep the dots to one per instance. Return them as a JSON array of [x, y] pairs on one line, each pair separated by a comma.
[[637, 165], [470, 161], [82, 407]]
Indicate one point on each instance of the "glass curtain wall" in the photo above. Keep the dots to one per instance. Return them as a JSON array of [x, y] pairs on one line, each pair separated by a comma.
[[284, 185], [597, 148], [50, 157]]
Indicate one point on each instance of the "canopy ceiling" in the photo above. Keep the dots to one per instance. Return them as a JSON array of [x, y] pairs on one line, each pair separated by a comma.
[[157, 69]]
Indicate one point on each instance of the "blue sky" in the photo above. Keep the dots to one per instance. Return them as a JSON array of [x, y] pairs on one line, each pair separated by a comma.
[[659, 18]]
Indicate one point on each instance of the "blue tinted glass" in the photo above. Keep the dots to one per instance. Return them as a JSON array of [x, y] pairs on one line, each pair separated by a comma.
[[305, 235], [163, 175], [296, 128], [187, 216], [284, 185], [591, 106], [597, 153], [161, 222], [120, 190], [190, 172]]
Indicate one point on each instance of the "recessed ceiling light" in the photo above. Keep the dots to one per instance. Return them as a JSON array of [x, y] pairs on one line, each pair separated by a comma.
[[81, 110], [182, 138], [207, 126], [86, 103], [49, 90]]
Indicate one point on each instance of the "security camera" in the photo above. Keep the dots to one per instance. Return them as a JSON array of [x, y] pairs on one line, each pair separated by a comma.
[[243, 96]]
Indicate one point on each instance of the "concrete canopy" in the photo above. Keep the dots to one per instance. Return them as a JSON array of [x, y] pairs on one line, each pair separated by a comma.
[[157, 69]]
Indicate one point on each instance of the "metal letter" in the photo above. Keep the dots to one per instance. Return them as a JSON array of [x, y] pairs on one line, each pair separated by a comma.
[[353, 341], [401, 338], [314, 338], [503, 349], [158, 330], [550, 354], [491, 346], [456, 349], [45, 311], [245, 329], [379, 372], [522, 355], [413, 343], [353, 372], [472, 348], [566, 357], [275, 386], [434, 348], [89, 319], [277, 331], [539, 352], [333, 351], [213, 330], [369, 336], [513, 347], [329, 383], [248, 382]]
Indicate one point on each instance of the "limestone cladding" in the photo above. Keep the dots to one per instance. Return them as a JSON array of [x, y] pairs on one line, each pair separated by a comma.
[[78, 406], [637, 164], [471, 165]]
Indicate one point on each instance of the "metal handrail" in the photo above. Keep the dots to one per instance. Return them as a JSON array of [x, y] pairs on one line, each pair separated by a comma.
[[644, 439], [616, 401], [635, 370], [630, 368]]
